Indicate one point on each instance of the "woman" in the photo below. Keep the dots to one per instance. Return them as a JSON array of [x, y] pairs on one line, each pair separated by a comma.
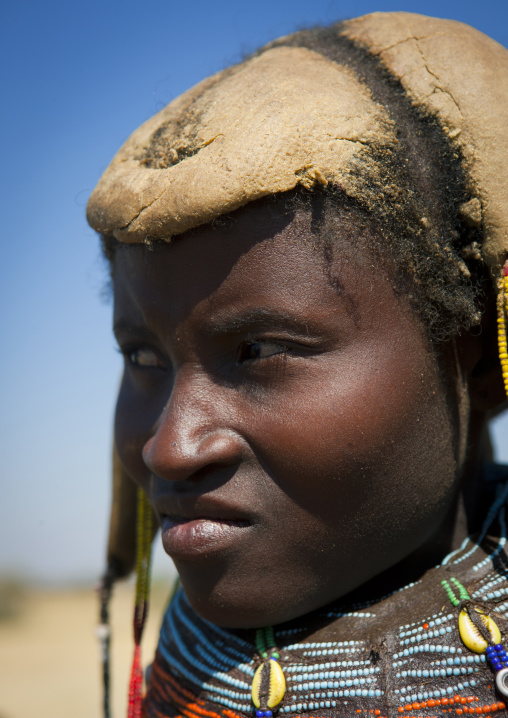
[[304, 251]]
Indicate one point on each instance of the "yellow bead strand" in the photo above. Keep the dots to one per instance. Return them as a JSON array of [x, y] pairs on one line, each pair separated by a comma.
[[144, 533], [502, 315]]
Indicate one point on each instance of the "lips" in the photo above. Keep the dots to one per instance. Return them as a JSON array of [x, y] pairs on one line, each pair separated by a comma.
[[183, 538], [195, 526]]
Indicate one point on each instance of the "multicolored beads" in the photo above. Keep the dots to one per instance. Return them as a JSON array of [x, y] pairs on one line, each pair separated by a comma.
[[144, 536], [269, 683], [473, 638]]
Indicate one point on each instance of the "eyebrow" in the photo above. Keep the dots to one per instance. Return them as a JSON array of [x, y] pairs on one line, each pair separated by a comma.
[[124, 326], [225, 323], [252, 318]]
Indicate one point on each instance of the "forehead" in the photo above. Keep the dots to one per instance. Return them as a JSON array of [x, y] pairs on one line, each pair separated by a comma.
[[267, 254]]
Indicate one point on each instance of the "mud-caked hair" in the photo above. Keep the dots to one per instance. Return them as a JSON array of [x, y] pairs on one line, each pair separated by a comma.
[[425, 217]]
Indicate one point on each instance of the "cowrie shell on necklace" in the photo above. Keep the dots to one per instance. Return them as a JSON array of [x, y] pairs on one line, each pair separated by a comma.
[[268, 674], [471, 636]]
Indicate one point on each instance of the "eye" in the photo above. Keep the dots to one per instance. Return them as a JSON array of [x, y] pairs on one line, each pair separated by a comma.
[[143, 357], [259, 350]]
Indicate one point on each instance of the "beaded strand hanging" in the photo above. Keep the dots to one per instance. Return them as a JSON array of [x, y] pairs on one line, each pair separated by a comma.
[[502, 322], [144, 535], [103, 634]]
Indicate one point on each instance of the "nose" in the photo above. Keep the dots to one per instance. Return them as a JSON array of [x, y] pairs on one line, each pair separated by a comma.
[[194, 434]]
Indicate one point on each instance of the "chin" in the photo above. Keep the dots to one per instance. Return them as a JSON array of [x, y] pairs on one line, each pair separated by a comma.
[[232, 604], [230, 608], [241, 601]]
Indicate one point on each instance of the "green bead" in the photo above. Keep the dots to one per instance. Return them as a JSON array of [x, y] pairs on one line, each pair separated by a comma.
[[265, 641], [269, 637], [260, 641], [449, 592], [462, 590]]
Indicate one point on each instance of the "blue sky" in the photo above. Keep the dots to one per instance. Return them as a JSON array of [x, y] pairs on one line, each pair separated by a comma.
[[78, 78]]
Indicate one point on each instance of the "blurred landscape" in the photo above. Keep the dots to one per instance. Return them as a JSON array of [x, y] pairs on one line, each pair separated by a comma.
[[49, 655]]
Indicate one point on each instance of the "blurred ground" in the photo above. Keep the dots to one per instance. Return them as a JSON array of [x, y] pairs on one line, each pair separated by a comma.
[[49, 656]]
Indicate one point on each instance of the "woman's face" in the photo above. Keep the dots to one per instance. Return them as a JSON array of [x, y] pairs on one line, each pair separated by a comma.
[[282, 410]]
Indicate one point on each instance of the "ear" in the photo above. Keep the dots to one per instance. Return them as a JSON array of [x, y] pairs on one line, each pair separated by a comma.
[[479, 357]]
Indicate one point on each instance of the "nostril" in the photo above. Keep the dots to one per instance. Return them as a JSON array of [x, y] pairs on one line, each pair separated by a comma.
[[184, 450]]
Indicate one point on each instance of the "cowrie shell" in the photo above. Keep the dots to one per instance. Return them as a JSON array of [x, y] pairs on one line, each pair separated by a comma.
[[271, 672], [471, 637]]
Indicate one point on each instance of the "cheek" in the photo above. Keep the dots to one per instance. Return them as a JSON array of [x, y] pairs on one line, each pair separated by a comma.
[[366, 440]]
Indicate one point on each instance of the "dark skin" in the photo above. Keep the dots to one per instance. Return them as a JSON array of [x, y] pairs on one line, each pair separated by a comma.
[[293, 427]]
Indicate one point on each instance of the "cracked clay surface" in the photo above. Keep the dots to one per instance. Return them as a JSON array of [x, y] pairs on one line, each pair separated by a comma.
[[467, 91], [308, 122]]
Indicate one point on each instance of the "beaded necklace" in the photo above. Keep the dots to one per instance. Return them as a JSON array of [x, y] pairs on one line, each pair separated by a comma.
[[479, 632]]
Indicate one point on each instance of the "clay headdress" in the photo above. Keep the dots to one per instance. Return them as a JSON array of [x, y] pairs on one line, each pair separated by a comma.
[[290, 116]]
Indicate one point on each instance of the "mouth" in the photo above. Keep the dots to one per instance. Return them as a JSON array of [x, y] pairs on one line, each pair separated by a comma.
[[199, 524], [191, 537]]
